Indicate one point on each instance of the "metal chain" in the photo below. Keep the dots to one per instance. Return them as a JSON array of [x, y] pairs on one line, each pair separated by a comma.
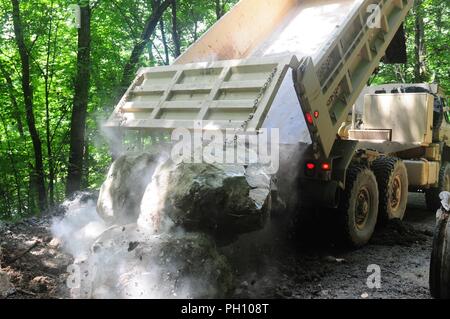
[[256, 102], [258, 98]]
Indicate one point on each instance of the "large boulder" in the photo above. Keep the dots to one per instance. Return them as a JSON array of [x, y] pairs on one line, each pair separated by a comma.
[[128, 262], [222, 200], [121, 193]]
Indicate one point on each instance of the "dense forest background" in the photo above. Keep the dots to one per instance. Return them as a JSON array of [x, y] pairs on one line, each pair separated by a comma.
[[58, 81]]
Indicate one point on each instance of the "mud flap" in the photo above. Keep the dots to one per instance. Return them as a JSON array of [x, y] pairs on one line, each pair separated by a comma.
[[440, 260]]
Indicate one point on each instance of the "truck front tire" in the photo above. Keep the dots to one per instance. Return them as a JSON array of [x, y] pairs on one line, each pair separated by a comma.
[[432, 195], [358, 209], [440, 261], [392, 179]]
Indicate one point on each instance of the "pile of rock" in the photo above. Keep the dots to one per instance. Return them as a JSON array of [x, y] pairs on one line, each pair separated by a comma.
[[163, 217], [221, 200], [144, 265]]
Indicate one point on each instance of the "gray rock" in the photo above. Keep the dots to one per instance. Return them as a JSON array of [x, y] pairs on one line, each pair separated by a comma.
[[222, 200], [121, 193], [177, 265]]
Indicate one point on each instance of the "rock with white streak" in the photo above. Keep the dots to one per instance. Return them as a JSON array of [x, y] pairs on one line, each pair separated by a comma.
[[221, 200], [128, 262], [121, 193]]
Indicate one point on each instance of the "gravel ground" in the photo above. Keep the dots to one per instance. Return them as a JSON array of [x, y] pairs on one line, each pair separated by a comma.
[[266, 265], [33, 260], [402, 250]]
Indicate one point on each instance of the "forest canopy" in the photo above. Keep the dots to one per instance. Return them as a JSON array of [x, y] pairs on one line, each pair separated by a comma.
[[58, 81]]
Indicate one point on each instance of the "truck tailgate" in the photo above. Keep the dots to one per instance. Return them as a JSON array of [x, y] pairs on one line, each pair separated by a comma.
[[235, 94]]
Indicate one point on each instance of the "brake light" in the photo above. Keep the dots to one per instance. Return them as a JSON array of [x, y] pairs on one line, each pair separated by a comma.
[[309, 118], [316, 114], [310, 166], [326, 166]]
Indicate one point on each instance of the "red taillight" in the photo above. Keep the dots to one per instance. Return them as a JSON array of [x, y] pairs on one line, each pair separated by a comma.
[[309, 118], [326, 166], [310, 166], [316, 114]]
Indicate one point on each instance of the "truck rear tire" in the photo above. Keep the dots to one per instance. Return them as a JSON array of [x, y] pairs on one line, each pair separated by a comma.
[[358, 209], [392, 179], [432, 195], [440, 261]]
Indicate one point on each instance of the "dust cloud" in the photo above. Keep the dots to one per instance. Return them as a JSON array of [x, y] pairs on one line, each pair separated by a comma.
[[149, 259]]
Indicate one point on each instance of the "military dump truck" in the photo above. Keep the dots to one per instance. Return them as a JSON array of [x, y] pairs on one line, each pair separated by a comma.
[[300, 66]]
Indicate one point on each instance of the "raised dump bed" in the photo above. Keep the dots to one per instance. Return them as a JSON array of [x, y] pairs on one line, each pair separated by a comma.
[[261, 28], [251, 69]]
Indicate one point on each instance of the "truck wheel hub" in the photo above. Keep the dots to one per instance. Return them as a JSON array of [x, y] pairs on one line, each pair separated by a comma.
[[396, 193], [362, 208]]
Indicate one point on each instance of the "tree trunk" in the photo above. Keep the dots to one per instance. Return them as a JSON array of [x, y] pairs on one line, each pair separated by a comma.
[[220, 8], [85, 181], [175, 35], [151, 56], [150, 25], [80, 103], [32, 190], [419, 45], [164, 41], [15, 171], [195, 31], [47, 81], [16, 110], [28, 101]]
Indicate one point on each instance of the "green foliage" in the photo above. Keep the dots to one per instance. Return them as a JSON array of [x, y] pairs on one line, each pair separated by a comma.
[[436, 18], [116, 28], [52, 44]]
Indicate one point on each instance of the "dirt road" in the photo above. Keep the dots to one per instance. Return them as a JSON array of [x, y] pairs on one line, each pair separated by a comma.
[[269, 264], [401, 250]]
